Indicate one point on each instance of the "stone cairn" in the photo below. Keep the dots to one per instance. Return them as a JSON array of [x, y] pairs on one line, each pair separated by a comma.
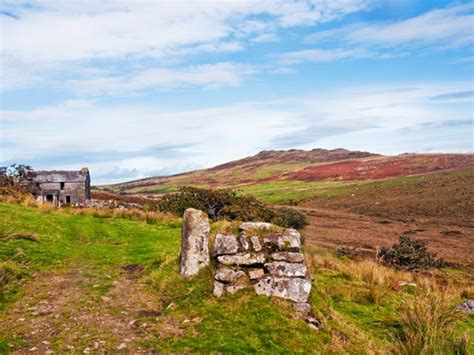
[[263, 256]]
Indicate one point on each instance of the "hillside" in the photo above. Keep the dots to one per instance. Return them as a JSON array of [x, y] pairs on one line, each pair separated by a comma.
[[352, 198], [80, 284], [317, 165]]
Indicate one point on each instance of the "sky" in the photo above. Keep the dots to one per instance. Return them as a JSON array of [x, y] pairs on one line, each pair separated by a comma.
[[133, 88]]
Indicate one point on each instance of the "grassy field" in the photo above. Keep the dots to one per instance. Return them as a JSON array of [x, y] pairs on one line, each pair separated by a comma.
[[75, 283]]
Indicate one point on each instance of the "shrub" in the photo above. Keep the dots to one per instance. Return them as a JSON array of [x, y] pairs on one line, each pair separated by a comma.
[[409, 254], [427, 325], [227, 204], [289, 217]]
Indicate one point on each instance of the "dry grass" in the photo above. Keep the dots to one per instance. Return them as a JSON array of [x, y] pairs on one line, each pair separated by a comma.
[[427, 326]]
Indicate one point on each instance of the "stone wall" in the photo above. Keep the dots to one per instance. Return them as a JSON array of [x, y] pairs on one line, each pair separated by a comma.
[[264, 257], [261, 256]]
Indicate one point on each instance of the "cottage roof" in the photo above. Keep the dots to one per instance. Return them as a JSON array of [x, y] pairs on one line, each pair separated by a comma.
[[60, 176]]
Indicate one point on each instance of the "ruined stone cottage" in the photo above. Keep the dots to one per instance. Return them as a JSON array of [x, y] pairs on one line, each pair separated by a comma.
[[61, 187]]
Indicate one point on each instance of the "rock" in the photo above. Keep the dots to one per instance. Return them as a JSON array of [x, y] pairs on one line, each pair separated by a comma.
[[242, 259], [225, 244], [288, 256], [255, 240], [290, 239], [294, 289], [234, 289], [194, 242], [314, 322], [256, 274], [228, 275], [121, 346], [302, 309], [467, 307], [219, 289], [284, 269], [244, 243], [246, 226]]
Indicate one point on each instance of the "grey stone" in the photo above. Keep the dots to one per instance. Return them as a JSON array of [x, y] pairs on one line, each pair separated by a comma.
[[256, 274], [314, 322], [219, 289], [302, 309], [294, 289], [290, 239], [225, 244], [228, 275], [255, 240], [288, 256], [244, 243], [234, 289], [194, 242], [284, 269], [242, 259], [467, 307], [246, 226]]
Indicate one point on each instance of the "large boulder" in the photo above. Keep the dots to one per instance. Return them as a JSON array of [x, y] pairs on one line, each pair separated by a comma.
[[294, 289], [282, 268], [225, 244], [194, 242]]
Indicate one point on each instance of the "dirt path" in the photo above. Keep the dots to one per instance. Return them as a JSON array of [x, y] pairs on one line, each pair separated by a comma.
[[80, 312]]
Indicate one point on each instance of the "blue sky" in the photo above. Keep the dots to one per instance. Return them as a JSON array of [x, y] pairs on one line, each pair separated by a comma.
[[141, 88]]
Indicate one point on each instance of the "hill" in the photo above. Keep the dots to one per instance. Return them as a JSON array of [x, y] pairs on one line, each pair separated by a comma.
[[317, 165], [356, 199]]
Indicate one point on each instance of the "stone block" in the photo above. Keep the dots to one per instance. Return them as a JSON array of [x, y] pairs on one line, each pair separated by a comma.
[[294, 289], [194, 242], [292, 257], [228, 275], [225, 244], [242, 259], [284, 269]]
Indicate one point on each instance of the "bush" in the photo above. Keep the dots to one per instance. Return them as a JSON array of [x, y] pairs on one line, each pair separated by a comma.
[[409, 254], [229, 205], [290, 218]]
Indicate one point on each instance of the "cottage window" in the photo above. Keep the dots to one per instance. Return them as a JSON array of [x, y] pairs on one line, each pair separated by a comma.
[[62, 185], [68, 199], [49, 198]]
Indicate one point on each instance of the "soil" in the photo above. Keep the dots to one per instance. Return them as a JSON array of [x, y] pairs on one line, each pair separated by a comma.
[[72, 311]]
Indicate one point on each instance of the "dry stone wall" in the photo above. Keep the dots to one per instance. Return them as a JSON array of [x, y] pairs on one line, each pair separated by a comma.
[[264, 257], [261, 256]]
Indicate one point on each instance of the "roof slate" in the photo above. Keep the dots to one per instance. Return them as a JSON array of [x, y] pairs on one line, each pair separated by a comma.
[[60, 176]]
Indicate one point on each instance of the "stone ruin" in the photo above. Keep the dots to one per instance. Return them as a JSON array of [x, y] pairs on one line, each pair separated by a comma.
[[262, 256]]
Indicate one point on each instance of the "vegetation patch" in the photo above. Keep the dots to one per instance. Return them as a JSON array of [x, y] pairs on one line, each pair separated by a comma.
[[230, 205], [409, 254]]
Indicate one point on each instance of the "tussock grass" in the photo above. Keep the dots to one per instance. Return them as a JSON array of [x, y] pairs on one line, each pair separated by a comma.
[[427, 326]]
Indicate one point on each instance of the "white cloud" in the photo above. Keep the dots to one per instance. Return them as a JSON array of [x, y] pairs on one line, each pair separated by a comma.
[[40, 37], [320, 55], [129, 142], [451, 26], [208, 75]]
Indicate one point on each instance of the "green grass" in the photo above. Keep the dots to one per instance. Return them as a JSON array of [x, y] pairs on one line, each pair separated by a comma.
[[240, 323]]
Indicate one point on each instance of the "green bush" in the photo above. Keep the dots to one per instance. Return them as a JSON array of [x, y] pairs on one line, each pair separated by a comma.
[[229, 205], [290, 218], [409, 254]]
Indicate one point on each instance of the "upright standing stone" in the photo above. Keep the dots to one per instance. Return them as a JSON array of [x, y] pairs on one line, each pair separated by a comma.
[[194, 242]]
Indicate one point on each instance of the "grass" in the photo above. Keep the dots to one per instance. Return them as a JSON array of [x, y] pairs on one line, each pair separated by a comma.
[[360, 303]]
